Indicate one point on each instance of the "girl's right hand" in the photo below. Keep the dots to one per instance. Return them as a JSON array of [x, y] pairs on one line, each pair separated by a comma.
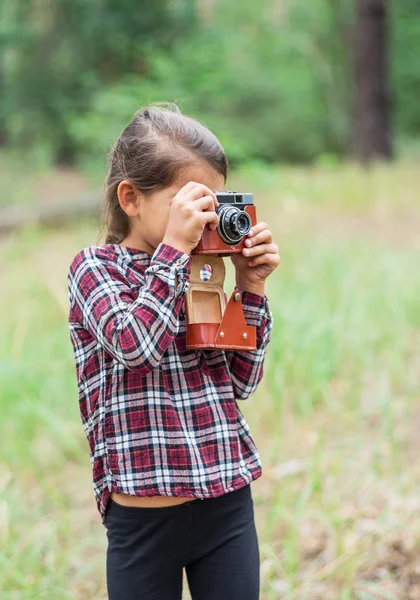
[[190, 210]]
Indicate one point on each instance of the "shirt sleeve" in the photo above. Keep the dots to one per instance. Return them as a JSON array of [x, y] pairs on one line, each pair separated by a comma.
[[246, 367], [133, 324]]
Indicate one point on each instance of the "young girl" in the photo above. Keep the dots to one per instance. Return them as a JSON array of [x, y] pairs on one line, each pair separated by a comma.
[[171, 453]]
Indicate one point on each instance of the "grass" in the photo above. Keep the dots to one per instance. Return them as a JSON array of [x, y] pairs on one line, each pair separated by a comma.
[[335, 418]]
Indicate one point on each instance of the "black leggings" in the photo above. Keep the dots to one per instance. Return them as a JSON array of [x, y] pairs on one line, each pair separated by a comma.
[[214, 539]]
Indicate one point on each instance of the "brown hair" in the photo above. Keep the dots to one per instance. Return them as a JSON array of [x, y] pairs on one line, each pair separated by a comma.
[[155, 147]]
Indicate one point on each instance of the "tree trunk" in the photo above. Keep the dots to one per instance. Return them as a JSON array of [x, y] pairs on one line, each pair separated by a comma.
[[3, 129], [371, 135]]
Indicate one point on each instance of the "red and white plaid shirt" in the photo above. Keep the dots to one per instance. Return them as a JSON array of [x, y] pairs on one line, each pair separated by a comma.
[[160, 419]]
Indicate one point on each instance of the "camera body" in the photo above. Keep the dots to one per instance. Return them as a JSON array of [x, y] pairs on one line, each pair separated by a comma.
[[237, 214]]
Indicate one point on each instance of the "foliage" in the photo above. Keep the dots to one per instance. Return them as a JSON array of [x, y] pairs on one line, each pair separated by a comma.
[[405, 72], [273, 79]]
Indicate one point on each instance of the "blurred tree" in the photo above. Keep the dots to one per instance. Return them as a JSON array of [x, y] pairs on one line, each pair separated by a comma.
[[405, 73], [3, 128], [58, 54], [371, 135], [273, 78]]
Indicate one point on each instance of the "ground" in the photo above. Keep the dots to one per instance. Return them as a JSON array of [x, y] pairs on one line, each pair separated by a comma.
[[336, 417]]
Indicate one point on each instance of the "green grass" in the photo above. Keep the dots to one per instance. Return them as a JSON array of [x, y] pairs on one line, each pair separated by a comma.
[[335, 418]]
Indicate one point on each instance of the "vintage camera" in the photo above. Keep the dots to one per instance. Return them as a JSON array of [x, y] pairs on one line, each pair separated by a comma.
[[236, 212], [213, 321]]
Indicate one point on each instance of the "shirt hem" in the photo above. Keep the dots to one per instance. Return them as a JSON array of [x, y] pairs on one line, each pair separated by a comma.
[[212, 491]]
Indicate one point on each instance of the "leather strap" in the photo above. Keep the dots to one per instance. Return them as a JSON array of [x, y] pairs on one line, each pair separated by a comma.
[[231, 333]]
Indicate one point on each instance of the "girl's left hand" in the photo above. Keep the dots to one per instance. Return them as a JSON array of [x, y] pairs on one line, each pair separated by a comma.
[[259, 258]]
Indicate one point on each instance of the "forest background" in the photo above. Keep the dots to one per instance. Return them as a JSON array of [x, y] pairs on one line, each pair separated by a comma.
[[316, 103], [73, 72]]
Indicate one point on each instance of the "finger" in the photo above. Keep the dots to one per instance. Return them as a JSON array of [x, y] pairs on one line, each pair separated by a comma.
[[257, 228], [193, 185], [204, 203], [188, 186], [209, 217], [200, 190], [269, 259], [263, 236], [261, 249]]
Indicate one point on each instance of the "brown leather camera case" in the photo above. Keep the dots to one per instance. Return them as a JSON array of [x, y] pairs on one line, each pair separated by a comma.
[[212, 321]]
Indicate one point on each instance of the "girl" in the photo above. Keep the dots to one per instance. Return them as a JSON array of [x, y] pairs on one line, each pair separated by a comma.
[[171, 453]]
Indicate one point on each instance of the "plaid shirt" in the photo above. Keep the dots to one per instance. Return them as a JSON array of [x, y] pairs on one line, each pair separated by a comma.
[[160, 419]]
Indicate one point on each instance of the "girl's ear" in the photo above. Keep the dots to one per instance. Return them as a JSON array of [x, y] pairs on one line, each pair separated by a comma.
[[128, 197]]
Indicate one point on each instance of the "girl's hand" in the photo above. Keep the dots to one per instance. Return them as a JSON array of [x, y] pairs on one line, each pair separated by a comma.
[[190, 210], [258, 259]]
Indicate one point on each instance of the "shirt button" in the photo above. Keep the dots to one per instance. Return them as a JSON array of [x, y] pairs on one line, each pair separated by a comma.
[[179, 260]]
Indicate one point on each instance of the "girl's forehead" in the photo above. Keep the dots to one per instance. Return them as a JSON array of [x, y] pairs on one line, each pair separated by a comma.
[[204, 174]]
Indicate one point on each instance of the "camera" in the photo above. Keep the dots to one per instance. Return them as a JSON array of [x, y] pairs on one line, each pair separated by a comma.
[[236, 212], [213, 319]]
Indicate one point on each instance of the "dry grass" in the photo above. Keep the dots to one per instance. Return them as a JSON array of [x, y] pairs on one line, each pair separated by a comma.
[[336, 417]]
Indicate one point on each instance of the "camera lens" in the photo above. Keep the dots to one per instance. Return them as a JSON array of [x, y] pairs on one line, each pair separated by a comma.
[[243, 223], [234, 224]]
